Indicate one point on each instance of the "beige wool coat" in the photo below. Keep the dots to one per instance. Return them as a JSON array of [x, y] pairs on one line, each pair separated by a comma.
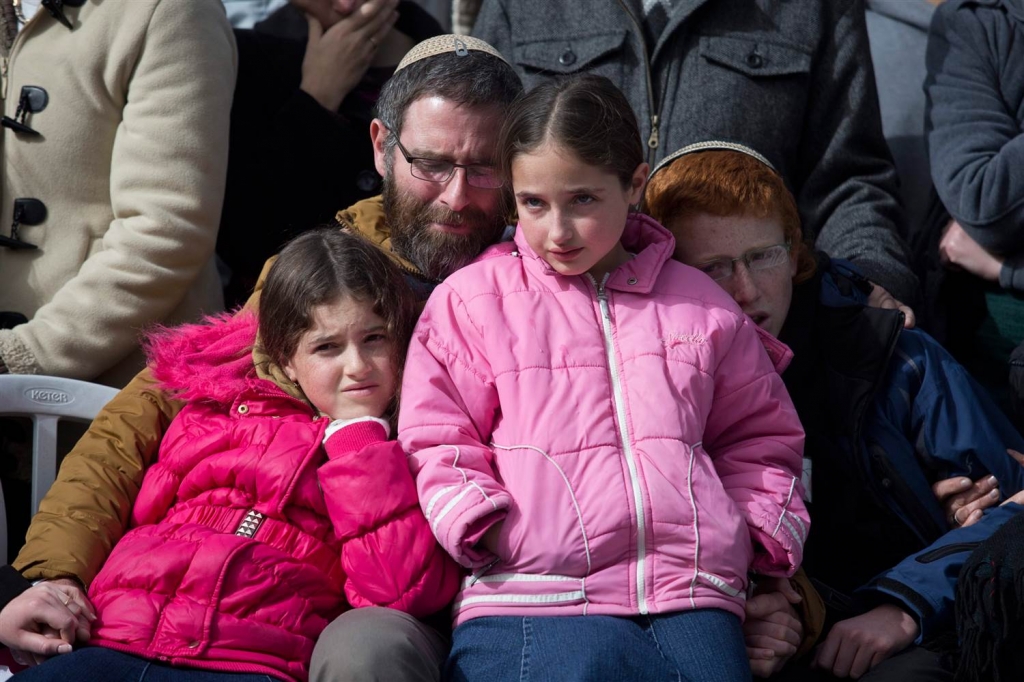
[[130, 162]]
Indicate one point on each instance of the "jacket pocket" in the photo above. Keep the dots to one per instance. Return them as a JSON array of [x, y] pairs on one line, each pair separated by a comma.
[[948, 550], [599, 53], [741, 77], [545, 530], [755, 58]]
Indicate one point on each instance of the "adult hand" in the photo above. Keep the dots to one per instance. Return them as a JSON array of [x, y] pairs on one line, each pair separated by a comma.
[[46, 620], [958, 249], [856, 645], [965, 501], [327, 12], [337, 58], [772, 629], [880, 298]]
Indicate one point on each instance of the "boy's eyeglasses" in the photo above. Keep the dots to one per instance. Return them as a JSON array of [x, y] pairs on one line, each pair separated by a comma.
[[756, 260], [435, 170]]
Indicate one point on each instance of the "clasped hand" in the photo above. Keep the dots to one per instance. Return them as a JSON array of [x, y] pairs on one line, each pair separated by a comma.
[[45, 620]]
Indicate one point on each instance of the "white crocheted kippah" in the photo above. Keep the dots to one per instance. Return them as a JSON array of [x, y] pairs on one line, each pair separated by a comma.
[[710, 146], [460, 45]]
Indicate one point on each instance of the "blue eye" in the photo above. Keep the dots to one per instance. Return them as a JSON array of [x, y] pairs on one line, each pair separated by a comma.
[[532, 202], [375, 338], [585, 199]]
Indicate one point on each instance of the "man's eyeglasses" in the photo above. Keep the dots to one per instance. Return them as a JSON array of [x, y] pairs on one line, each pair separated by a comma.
[[435, 170], [756, 260]]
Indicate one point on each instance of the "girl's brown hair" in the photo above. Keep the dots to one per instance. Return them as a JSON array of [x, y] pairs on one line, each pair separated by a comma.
[[727, 183], [586, 114], [319, 267]]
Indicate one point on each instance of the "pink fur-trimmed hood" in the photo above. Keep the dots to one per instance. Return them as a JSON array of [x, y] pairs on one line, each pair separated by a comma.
[[209, 361]]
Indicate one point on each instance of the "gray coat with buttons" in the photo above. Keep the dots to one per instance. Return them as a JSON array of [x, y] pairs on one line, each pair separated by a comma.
[[790, 78]]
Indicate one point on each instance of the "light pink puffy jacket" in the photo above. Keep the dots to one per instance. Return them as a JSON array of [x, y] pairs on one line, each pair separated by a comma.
[[633, 436]]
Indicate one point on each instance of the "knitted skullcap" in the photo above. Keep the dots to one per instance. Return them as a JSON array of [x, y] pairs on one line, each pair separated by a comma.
[[460, 45]]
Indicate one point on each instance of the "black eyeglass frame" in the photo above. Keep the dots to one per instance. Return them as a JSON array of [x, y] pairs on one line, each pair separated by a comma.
[[411, 160]]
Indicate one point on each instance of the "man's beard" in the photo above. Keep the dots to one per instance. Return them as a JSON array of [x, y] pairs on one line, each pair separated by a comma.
[[437, 254]]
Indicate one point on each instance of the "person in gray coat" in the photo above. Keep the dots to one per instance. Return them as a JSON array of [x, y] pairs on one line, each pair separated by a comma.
[[975, 92], [789, 78]]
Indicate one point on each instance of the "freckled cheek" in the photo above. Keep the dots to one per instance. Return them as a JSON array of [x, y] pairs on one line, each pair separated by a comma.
[[534, 231]]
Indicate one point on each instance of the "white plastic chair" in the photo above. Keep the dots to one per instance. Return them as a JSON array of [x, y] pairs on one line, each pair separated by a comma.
[[46, 401]]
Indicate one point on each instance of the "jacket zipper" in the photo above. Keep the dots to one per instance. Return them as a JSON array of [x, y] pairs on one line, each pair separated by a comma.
[[627, 448], [652, 141]]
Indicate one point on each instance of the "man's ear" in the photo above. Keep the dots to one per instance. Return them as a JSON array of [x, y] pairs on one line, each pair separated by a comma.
[[636, 184], [378, 134]]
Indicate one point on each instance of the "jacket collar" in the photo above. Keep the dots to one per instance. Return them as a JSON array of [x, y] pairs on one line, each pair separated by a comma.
[[366, 218], [651, 244], [1014, 7]]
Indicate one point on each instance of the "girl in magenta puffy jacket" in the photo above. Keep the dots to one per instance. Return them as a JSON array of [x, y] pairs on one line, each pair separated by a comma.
[[597, 431], [277, 500]]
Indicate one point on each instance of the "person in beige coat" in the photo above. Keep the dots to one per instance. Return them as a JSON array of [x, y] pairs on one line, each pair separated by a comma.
[[126, 159]]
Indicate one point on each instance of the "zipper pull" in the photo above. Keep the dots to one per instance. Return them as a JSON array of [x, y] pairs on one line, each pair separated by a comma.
[[652, 141], [481, 573]]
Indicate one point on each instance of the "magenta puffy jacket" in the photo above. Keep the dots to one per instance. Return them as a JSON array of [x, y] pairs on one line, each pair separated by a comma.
[[633, 436], [248, 536]]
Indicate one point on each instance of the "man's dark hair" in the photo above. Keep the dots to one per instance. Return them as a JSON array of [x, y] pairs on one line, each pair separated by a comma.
[[475, 80]]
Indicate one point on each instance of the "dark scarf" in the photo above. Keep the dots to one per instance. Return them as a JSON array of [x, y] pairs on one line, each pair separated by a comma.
[[990, 608]]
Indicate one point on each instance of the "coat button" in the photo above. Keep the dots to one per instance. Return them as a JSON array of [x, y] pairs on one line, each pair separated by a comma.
[[568, 57], [886, 483], [754, 60], [631, 280], [243, 409]]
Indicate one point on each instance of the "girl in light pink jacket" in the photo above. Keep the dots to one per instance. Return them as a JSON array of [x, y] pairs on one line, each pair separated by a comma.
[[597, 431]]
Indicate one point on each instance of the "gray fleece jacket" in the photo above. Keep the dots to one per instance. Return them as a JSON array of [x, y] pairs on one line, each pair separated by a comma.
[[790, 79], [975, 121]]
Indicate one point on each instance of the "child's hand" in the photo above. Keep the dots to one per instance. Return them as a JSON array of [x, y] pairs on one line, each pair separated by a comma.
[[489, 541], [772, 630], [856, 645]]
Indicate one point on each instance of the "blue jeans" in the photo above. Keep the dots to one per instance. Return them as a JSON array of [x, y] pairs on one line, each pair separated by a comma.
[[97, 663], [688, 646]]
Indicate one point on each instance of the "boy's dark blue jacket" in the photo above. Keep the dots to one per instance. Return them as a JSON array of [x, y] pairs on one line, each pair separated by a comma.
[[888, 412]]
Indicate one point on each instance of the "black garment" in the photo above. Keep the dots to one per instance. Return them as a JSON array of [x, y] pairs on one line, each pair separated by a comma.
[[291, 163], [840, 358], [1017, 386], [12, 584], [914, 664], [990, 608]]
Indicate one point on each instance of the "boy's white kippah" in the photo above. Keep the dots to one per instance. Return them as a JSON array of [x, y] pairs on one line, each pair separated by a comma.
[[460, 45], [712, 145]]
